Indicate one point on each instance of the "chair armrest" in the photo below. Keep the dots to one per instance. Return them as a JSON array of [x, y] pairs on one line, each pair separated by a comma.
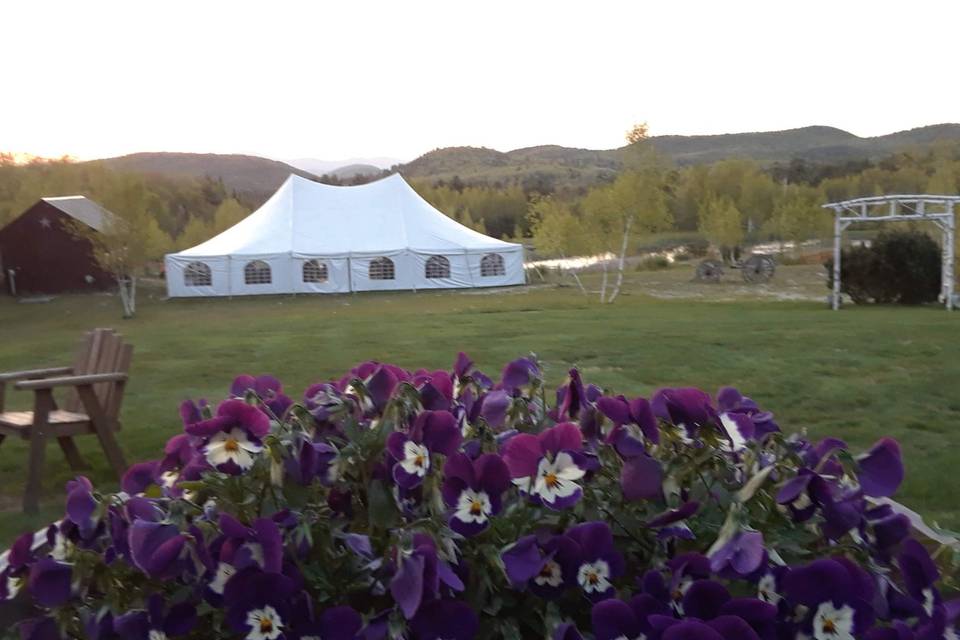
[[32, 374], [71, 381]]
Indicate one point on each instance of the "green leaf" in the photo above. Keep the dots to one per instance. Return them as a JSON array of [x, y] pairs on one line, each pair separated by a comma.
[[381, 508]]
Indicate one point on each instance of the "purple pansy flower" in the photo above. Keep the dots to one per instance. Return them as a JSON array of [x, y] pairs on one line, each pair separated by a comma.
[[741, 556], [419, 576], [258, 604], [315, 460], [156, 623], [881, 469], [547, 466], [731, 401], [599, 562], [50, 582], [519, 373], [267, 388], [432, 432], [686, 407], [546, 566], [155, 547], [493, 408], [634, 424], [614, 619], [473, 490], [837, 595], [81, 505], [445, 620], [44, 628], [920, 575], [232, 438]]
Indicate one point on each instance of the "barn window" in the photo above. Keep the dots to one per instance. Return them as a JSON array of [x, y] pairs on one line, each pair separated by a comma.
[[381, 269], [492, 265], [314, 271], [197, 274], [437, 267], [257, 272]]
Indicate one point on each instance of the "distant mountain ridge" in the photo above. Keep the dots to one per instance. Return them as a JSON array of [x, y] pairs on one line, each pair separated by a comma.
[[242, 173], [579, 167], [330, 167], [550, 166]]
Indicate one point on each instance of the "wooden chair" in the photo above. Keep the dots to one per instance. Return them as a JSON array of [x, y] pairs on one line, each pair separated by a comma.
[[91, 406]]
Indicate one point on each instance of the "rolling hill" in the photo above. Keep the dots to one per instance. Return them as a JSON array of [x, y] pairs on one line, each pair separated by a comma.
[[580, 167], [246, 174], [552, 166]]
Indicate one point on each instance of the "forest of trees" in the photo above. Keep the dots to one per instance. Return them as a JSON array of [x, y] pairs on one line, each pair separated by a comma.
[[728, 201]]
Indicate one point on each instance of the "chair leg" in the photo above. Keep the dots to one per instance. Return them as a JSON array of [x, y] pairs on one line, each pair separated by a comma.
[[104, 428], [42, 405], [72, 454]]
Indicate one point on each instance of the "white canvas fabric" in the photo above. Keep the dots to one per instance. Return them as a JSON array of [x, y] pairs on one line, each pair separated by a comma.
[[377, 236]]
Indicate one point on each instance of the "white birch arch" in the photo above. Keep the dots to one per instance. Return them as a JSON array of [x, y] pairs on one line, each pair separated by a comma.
[[317, 238], [896, 208]]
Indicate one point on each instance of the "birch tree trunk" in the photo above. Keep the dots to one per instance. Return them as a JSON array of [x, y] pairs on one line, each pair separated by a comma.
[[603, 283], [128, 295], [576, 277], [623, 257]]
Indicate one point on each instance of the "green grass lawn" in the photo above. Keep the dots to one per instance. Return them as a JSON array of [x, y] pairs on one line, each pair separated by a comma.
[[857, 374]]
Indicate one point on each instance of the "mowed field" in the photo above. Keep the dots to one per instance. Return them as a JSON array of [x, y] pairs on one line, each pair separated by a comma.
[[858, 374]]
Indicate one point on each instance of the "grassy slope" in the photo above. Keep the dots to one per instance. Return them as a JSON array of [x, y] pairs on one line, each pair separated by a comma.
[[857, 374]]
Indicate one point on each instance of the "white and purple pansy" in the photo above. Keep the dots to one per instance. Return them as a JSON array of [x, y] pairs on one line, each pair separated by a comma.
[[546, 566], [547, 466], [836, 595], [473, 490], [258, 604], [598, 562], [232, 439], [433, 432]]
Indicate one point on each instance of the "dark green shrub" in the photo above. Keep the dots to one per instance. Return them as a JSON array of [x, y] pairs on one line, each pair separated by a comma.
[[901, 267], [698, 247], [653, 263]]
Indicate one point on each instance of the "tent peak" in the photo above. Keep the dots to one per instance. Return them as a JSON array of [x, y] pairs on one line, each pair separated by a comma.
[[393, 177]]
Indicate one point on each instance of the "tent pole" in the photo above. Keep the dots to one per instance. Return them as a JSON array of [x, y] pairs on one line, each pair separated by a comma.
[[350, 273], [837, 232], [466, 259], [948, 255]]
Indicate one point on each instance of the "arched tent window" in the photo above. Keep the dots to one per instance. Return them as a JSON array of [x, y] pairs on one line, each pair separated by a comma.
[[315, 271], [492, 265], [257, 272], [381, 269], [437, 267], [197, 274]]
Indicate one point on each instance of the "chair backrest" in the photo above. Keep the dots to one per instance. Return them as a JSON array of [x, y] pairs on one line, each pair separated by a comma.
[[102, 351]]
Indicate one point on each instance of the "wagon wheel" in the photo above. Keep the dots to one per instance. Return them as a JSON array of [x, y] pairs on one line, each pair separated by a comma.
[[758, 268], [709, 271]]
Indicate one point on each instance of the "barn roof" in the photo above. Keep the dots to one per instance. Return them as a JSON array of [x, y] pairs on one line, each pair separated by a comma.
[[83, 209]]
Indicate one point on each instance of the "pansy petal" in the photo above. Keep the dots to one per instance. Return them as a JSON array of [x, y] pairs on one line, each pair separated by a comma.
[[522, 454], [50, 582], [641, 478], [881, 469]]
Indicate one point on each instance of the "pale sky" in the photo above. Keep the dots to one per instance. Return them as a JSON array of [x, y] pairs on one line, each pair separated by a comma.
[[344, 79]]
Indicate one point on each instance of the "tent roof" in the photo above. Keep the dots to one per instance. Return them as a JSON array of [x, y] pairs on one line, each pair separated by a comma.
[[83, 209], [309, 218]]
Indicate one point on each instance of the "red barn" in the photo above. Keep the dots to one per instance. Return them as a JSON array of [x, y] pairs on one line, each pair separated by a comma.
[[39, 254]]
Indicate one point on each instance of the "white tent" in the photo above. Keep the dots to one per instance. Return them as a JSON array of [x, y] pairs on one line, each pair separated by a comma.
[[316, 238]]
